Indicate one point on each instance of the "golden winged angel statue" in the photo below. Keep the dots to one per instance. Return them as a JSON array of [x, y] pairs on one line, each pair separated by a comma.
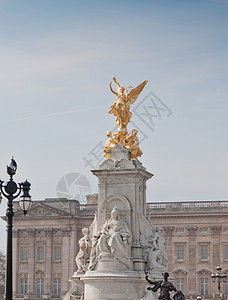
[[121, 109]]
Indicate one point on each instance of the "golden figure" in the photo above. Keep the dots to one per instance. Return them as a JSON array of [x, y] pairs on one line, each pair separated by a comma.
[[121, 107], [131, 142], [111, 142]]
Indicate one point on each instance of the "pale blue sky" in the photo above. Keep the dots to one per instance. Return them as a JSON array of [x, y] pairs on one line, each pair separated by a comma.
[[56, 60]]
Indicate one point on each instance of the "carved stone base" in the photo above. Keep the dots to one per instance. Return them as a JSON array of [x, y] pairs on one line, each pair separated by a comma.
[[77, 289], [111, 286], [109, 264], [148, 295]]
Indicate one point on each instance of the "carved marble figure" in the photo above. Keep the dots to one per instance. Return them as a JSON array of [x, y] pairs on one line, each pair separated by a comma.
[[160, 242], [84, 251], [112, 239], [154, 260], [153, 245]]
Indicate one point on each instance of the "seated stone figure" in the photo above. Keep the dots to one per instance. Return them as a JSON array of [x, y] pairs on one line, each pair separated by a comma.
[[112, 240]]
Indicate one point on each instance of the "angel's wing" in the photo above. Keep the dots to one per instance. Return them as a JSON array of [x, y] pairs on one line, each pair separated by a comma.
[[146, 230], [134, 93], [93, 229], [152, 226]]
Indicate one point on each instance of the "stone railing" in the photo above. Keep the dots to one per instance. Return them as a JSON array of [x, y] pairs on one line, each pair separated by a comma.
[[172, 205], [86, 206], [187, 205]]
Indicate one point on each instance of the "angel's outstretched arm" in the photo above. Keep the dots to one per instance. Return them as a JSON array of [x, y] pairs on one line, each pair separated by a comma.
[[110, 85], [117, 83]]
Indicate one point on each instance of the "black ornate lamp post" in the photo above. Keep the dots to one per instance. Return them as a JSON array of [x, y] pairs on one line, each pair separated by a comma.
[[219, 276], [12, 190]]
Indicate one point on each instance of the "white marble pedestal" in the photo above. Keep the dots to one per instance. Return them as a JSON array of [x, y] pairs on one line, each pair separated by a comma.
[[111, 286]]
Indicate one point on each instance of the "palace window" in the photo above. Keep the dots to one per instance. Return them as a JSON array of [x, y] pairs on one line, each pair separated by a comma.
[[226, 252], [204, 252], [23, 285], [24, 254], [180, 284], [180, 252], [226, 288], [40, 253], [57, 286], [204, 286], [39, 286], [57, 253], [180, 230]]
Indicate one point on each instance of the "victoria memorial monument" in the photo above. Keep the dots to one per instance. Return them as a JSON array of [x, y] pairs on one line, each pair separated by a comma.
[[121, 245]]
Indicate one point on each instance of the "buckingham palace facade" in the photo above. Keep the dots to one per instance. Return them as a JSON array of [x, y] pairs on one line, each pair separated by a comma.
[[45, 244]]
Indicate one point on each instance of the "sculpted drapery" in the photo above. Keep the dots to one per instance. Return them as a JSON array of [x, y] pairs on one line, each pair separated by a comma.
[[112, 239]]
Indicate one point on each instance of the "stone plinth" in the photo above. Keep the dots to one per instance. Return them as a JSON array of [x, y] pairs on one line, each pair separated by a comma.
[[115, 286], [125, 189]]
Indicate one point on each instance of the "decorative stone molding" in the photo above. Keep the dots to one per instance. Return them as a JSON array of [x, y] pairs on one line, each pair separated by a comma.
[[49, 232], [23, 232], [117, 200], [102, 179], [15, 233], [140, 181], [31, 232], [216, 229], [120, 180], [66, 232], [168, 230], [42, 210], [40, 274], [122, 204], [117, 164], [41, 213], [192, 229], [57, 275], [22, 275], [179, 272], [203, 272]]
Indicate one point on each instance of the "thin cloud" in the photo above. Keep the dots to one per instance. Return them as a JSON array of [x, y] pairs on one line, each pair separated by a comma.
[[52, 114]]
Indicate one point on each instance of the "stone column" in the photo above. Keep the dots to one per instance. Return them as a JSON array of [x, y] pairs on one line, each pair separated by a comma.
[[66, 259], [216, 231], [169, 246], [15, 262], [31, 261], [192, 260], [49, 261], [73, 242]]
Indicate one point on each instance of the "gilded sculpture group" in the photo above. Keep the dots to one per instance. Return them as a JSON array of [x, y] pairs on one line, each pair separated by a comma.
[[121, 109]]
